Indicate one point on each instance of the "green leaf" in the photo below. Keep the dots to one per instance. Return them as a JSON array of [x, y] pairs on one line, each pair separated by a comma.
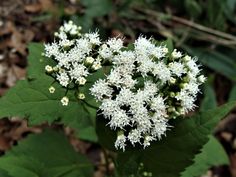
[[232, 95], [212, 154], [4, 173], [193, 8], [96, 8], [169, 44], [179, 147], [48, 154], [31, 99], [209, 101]]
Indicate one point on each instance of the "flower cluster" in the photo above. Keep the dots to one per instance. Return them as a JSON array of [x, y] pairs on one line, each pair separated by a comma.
[[147, 86], [73, 54]]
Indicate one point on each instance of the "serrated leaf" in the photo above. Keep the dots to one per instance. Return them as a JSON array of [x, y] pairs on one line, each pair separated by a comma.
[[212, 154], [31, 99], [179, 147], [47, 154]]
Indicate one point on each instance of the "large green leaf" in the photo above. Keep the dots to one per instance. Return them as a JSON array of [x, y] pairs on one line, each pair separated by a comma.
[[170, 156], [48, 154], [212, 154], [31, 99]]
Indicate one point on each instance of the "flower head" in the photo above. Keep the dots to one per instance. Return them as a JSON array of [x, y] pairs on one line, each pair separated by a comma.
[[144, 87]]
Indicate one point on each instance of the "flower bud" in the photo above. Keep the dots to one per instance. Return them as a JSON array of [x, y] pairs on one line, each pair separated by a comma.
[[172, 94], [183, 85], [89, 60], [82, 81], [81, 96], [48, 69], [187, 58], [65, 101], [176, 54], [51, 89], [172, 80], [201, 79], [96, 65]]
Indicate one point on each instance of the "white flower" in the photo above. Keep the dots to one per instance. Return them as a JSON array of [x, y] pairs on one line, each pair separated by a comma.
[[158, 105], [93, 38], [176, 54], [119, 119], [51, 89], [82, 81], [192, 88], [63, 79], [172, 80], [115, 44], [143, 46], [160, 126], [48, 69], [134, 136], [177, 68], [147, 140], [96, 65], [187, 58], [51, 49], [89, 60], [100, 89], [124, 58], [109, 108], [78, 71], [201, 78], [105, 52], [193, 67], [124, 97], [83, 45], [81, 96], [143, 87], [161, 71], [145, 66], [120, 142], [65, 101], [128, 81], [159, 52], [114, 78], [187, 101]]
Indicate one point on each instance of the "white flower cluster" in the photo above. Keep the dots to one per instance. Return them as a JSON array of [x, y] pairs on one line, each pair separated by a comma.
[[146, 86], [73, 53]]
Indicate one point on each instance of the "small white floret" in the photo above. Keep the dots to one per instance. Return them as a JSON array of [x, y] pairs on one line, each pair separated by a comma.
[[65, 101]]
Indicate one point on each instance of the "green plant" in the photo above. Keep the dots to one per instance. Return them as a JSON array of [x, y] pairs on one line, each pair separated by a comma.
[[47, 95]]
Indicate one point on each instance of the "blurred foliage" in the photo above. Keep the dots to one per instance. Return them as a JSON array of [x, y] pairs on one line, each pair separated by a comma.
[[31, 158]]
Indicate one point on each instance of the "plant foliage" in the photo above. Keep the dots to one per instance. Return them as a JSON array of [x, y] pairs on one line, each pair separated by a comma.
[[47, 154]]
